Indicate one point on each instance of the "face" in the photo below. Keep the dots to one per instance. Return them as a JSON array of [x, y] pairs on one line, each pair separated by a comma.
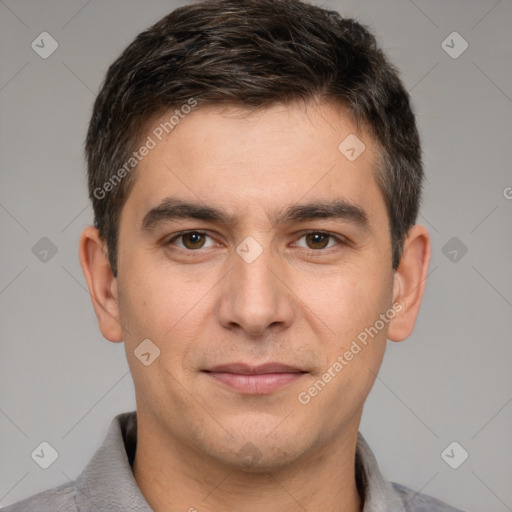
[[256, 256]]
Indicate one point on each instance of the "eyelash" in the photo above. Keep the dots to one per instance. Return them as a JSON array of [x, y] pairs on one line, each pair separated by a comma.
[[338, 239]]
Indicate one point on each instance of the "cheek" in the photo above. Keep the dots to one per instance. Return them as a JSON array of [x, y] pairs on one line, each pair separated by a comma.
[[165, 306], [346, 301], [170, 313], [355, 343]]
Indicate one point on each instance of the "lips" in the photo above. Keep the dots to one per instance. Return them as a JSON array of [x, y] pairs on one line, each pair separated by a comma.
[[246, 369], [256, 380]]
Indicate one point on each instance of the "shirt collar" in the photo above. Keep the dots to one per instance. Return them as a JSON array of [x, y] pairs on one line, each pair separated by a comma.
[[378, 492], [107, 482]]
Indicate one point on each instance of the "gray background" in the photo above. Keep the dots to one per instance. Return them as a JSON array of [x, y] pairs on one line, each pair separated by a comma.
[[61, 382]]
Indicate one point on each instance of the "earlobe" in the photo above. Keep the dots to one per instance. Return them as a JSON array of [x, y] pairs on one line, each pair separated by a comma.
[[101, 283], [409, 282]]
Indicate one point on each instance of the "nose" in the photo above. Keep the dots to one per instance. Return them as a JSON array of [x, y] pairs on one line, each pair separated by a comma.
[[254, 297]]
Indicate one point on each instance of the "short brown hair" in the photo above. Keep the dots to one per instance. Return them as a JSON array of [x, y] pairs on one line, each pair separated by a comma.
[[252, 53]]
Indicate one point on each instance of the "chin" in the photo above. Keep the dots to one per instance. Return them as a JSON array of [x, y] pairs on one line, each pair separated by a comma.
[[253, 459], [263, 449]]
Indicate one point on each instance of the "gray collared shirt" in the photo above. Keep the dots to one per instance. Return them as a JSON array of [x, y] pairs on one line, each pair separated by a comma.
[[107, 483]]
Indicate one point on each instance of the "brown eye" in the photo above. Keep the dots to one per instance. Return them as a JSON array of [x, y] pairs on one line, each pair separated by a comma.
[[193, 240], [317, 240]]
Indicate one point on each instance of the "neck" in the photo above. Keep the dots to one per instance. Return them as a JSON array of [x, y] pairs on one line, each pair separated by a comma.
[[174, 478]]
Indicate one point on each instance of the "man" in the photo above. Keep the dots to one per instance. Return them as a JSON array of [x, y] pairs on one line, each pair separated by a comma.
[[255, 172]]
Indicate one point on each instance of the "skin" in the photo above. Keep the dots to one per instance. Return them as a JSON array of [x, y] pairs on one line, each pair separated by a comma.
[[297, 303]]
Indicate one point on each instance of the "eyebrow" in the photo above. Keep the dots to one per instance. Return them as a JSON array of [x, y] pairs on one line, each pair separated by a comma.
[[171, 209]]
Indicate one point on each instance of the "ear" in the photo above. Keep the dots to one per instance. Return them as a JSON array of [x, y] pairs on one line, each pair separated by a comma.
[[101, 283], [409, 282]]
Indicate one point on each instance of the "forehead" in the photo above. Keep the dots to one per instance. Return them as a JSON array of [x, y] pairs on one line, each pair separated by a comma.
[[247, 162]]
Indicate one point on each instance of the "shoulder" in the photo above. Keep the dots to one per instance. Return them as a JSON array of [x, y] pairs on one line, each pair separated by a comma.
[[417, 502], [58, 499]]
